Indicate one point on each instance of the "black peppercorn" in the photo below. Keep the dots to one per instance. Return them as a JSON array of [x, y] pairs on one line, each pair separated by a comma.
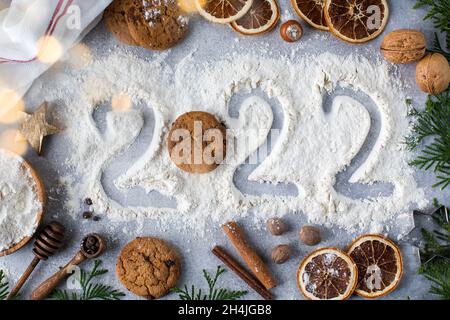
[[87, 215]]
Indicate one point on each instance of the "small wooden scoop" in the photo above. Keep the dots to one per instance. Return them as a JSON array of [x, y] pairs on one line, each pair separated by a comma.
[[92, 246]]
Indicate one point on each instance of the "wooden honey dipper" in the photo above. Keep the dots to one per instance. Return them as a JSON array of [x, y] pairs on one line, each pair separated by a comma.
[[46, 244], [92, 246]]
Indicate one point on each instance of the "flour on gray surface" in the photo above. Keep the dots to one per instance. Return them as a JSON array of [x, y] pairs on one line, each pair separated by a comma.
[[19, 203], [312, 148]]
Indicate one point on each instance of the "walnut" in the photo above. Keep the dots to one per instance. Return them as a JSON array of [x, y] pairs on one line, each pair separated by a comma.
[[276, 226], [310, 235], [281, 253], [433, 73], [403, 46]]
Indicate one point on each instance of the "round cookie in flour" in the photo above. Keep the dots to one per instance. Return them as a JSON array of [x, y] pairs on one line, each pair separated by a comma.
[[156, 24], [21, 202], [148, 267], [116, 22], [197, 142]]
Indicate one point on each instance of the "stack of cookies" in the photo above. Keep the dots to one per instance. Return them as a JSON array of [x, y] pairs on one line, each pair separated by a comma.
[[152, 24]]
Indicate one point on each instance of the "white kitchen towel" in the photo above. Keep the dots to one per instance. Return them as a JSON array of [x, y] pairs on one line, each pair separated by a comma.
[[33, 34]]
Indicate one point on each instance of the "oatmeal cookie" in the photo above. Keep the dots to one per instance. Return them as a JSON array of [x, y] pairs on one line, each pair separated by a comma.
[[206, 153], [148, 267], [156, 24], [116, 23]]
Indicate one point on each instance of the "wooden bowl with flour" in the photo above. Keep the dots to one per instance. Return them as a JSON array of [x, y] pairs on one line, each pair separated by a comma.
[[22, 202]]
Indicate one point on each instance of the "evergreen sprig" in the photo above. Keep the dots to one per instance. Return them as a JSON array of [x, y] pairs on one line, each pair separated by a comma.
[[438, 13], [90, 291], [431, 127], [437, 47], [213, 293], [438, 272], [4, 287], [435, 254]]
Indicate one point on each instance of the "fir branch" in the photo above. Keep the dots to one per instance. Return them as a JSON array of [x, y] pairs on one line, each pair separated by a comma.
[[435, 254], [437, 47], [438, 272], [431, 125], [89, 290], [437, 243], [4, 286], [438, 13], [214, 293]]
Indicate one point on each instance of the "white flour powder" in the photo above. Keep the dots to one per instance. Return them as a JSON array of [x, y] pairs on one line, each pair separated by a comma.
[[19, 204], [312, 149]]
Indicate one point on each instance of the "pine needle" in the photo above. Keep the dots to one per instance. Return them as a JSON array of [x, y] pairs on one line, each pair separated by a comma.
[[4, 287], [432, 124], [435, 254], [90, 291], [214, 293], [431, 134], [438, 272], [438, 13]]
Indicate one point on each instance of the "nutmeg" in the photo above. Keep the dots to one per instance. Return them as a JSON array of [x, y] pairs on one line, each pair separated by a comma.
[[281, 253], [276, 226], [310, 235], [403, 46], [433, 73]]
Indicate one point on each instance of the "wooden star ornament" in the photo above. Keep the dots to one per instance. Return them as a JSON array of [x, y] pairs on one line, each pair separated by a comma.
[[35, 127]]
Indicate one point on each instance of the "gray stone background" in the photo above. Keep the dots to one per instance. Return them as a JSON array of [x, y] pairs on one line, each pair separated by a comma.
[[211, 41]]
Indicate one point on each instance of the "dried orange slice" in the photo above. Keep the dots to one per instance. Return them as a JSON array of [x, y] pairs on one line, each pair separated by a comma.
[[223, 11], [380, 265], [327, 274], [312, 11], [356, 21], [262, 17]]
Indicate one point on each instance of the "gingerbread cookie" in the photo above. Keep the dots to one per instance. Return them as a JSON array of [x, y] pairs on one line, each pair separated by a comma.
[[156, 24], [116, 22], [197, 142], [148, 267]]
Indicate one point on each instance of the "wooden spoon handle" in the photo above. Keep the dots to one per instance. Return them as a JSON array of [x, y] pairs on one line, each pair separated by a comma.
[[23, 278], [49, 285]]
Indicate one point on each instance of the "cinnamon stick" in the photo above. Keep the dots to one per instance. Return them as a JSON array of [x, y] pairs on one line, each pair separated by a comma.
[[251, 258], [241, 272]]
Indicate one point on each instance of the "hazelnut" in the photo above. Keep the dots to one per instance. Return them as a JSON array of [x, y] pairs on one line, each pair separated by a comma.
[[276, 226], [433, 73], [281, 253], [291, 31], [310, 235], [403, 46]]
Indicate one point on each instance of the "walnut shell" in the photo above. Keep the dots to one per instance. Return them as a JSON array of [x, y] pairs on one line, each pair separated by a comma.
[[281, 253], [403, 46], [433, 73]]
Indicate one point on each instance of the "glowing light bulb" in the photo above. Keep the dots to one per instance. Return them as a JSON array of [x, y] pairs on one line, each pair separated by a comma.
[[50, 50], [10, 140], [121, 102], [79, 56], [11, 106], [188, 6]]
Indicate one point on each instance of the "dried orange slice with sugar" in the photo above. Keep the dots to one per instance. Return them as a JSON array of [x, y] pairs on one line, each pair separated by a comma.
[[223, 11], [327, 274], [262, 17], [380, 265], [356, 21], [312, 11]]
